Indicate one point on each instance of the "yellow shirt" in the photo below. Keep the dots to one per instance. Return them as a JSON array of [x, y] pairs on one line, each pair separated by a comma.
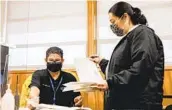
[[25, 92]]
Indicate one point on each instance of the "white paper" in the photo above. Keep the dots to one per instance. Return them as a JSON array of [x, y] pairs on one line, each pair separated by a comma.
[[52, 107], [78, 86], [87, 71], [56, 107], [88, 74]]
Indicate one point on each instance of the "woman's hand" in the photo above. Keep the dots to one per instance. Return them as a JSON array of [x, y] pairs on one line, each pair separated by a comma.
[[96, 59], [102, 87]]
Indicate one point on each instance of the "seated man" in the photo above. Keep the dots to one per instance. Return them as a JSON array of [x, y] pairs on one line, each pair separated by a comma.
[[47, 84], [26, 90]]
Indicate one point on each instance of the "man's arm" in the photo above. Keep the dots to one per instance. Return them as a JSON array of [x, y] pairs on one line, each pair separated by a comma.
[[35, 84], [76, 96], [33, 98], [34, 90]]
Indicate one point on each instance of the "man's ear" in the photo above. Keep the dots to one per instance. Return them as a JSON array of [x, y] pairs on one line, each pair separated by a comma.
[[62, 60]]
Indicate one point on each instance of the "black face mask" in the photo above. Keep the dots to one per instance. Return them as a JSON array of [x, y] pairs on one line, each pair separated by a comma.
[[54, 66], [116, 30]]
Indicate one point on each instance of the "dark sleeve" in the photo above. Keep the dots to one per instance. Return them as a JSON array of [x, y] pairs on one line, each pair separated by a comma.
[[143, 56], [74, 94], [35, 79], [103, 64]]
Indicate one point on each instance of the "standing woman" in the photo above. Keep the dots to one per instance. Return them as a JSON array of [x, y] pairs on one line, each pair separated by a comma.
[[134, 74]]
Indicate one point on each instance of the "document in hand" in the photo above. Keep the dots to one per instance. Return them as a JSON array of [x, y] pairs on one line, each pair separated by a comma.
[[78, 86], [88, 74]]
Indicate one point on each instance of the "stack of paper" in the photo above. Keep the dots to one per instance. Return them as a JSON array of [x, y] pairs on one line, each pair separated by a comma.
[[78, 86], [56, 107], [88, 74], [51, 107]]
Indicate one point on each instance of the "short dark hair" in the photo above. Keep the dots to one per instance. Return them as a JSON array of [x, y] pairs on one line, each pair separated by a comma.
[[54, 50], [120, 8]]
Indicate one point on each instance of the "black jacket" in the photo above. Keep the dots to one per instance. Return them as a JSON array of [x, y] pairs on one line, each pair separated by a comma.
[[135, 72]]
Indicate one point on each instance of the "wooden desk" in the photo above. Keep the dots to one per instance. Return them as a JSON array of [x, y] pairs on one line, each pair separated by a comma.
[[167, 85]]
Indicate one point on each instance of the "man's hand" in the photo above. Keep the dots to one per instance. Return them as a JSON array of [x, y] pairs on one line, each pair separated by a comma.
[[30, 107], [78, 101], [32, 103], [33, 100]]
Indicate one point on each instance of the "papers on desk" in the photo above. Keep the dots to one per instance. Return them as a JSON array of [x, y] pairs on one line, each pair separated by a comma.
[[50, 107], [56, 107], [88, 74]]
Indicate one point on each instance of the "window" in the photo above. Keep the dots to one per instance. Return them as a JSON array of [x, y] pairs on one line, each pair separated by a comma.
[[37, 25]]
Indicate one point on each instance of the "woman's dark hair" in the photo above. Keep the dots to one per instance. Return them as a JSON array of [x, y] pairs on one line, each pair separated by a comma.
[[54, 50], [120, 8]]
